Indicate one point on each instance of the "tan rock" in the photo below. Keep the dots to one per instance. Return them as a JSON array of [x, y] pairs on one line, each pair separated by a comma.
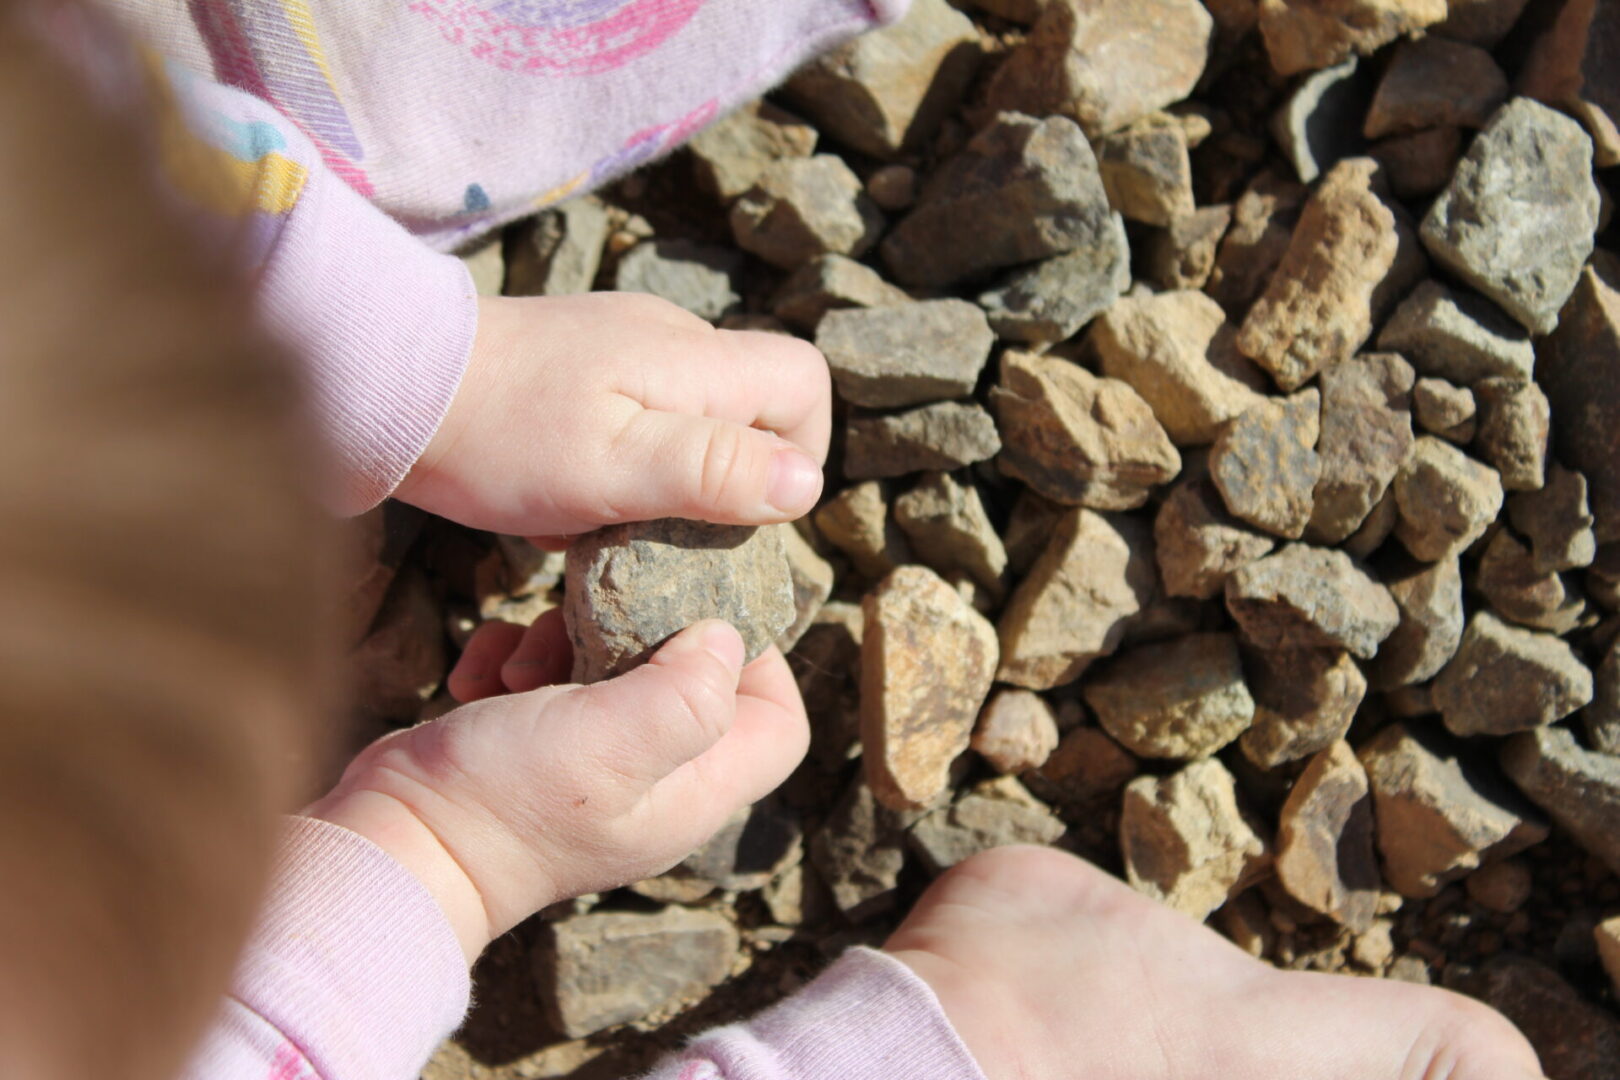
[[1506, 679], [1306, 35], [927, 661], [1266, 466], [1263, 221], [729, 155], [857, 521], [1520, 593], [985, 818], [813, 580], [905, 354], [1325, 839], [1305, 700], [1433, 82], [1180, 699], [1445, 410], [1198, 544], [1430, 597], [860, 852], [802, 208], [948, 527], [1305, 597], [1016, 731], [827, 284], [1147, 171], [1185, 841], [1515, 422], [1366, 438], [1447, 500], [1183, 255], [1086, 770], [1557, 521]]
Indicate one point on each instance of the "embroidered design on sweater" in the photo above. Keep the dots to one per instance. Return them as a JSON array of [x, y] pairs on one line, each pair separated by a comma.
[[558, 37]]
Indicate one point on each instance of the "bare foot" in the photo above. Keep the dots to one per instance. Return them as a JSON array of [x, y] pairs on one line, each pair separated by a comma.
[[1052, 970]]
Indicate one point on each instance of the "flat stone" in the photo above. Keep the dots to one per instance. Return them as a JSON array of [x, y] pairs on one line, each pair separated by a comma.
[[1180, 699], [893, 187], [1185, 841], [1175, 349], [887, 92], [1305, 700], [1352, 256], [1016, 731], [1522, 594], [1419, 163], [1439, 819], [858, 522], [802, 208], [597, 970], [1263, 222], [1580, 371], [830, 282], [1572, 1037], [948, 527], [1086, 771], [1306, 35], [1305, 597], [1366, 438], [1430, 599], [1445, 410], [908, 354], [976, 823], [1021, 190], [697, 277], [730, 155], [1485, 23], [1447, 500], [1147, 171], [559, 252], [1502, 887], [631, 587], [1515, 422], [1106, 63], [927, 660], [1557, 521], [1572, 68], [1506, 679], [1055, 299], [1434, 82], [1078, 439], [812, 578], [1266, 465], [860, 852], [1198, 544], [1457, 335], [942, 436], [1182, 256], [1073, 607], [1325, 853], [1319, 125], [1518, 220], [1578, 789]]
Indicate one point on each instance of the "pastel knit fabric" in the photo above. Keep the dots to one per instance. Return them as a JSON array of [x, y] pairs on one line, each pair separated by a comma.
[[355, 974], [382, 133]]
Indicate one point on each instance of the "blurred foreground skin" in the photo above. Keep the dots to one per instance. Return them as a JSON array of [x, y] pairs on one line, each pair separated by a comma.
[[160, 571]]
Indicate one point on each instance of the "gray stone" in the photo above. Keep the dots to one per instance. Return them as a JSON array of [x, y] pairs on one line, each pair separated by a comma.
[[1515, 422], [1445, 410], [1305, 699], [857, 521], [1305, 597], [1317, 127], [729, 155], [1147, 171], [1433, 82], [1016, 731], [1447, 500], [979, 822], [1180, 699], [1556, 520], [1578, 789], [1580, 371], [830, 282], [1198, 543], [1366, 438], [697, 277], [1430, 598], [1506, 679], [1458, 336], [802, 208], [1325, 853], [1573, 1038], [1518, 220], [860, 852], [942, 436], [1185, 841], [1086, 771], [559, 252], [908, 354], [1520, 593], [945, 521], [1266, 465], [631, 587], [1055, 299]]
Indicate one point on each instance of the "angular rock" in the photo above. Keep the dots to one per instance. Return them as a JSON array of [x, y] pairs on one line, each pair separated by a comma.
[[979, 822], [1574, 1039], [860, 852], [1096, 572], [857, 521], [1183, 255], [945, 521], [1352, 256], [729, 155], [1016, 732], [1458, 336], [1556, 521], [1421, 163], [630, 587], [908, 354], [1106, 63], [1175, 350], [1515, 419], [893, 187], [942, 436], [1445, 410], [1430, 599], [1306, 35], [1480, 22], [1578, 789], [558, 252], [697, 277], [1580, 371], [1146, 170], [1054, 299], [1078, 439], [1021, 190], [1433, 82], [1518, 220], [1366, 438], [1185, 841], [812, 578], [1199, 544], [1447, 500], [1319, 125], [1572, 68], [1086, 770], [927, 660], [1180, 699], [803, 208], [602, 969], [1305, 597], [828, 283], [1438, 819], [1505, 679], [1325, 853], [1266, 465], [1305, 700], [888, 91], [1520, 593], [1378, 527], [1263, 222]]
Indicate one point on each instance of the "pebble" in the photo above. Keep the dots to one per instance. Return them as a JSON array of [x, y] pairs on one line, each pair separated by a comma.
[[1318, 126], [1305, 35], [559, 252], [802, 208], [729, 156], [1445, 410], [1557, 521], [1437, 819], [1179, 699], [946, 522], [1016, 731], [1175, 349], [1502, 887], [1457, 335], [1096, 572], [1182, 256], [1447, 500], [1305, 597], [1352, 255], [1518, 592], [944, 435], [1198, 544], [858, 522], [927, 661], [1572, 68], [1515, 422], [1147, 171], [1430, 599], [979, 822], [1057, 297], [1572, 1037], [1580, 371], [1366, 438], [906, 354], [1517, 221], [1506, 679], [860, 852], [1263, 222], [1078, 439], [631, 587], [893, 187], [1266, 466], [1435, 82], [1579, 789], [1305, 700], [830, 282], [697, 277], [1185, 841], [1325, 855]]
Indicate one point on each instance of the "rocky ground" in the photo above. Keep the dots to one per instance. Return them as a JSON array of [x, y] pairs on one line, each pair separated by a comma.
[[1226, 488]]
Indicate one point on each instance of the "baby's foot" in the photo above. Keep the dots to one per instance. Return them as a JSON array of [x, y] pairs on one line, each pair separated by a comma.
[[1052, 970]]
